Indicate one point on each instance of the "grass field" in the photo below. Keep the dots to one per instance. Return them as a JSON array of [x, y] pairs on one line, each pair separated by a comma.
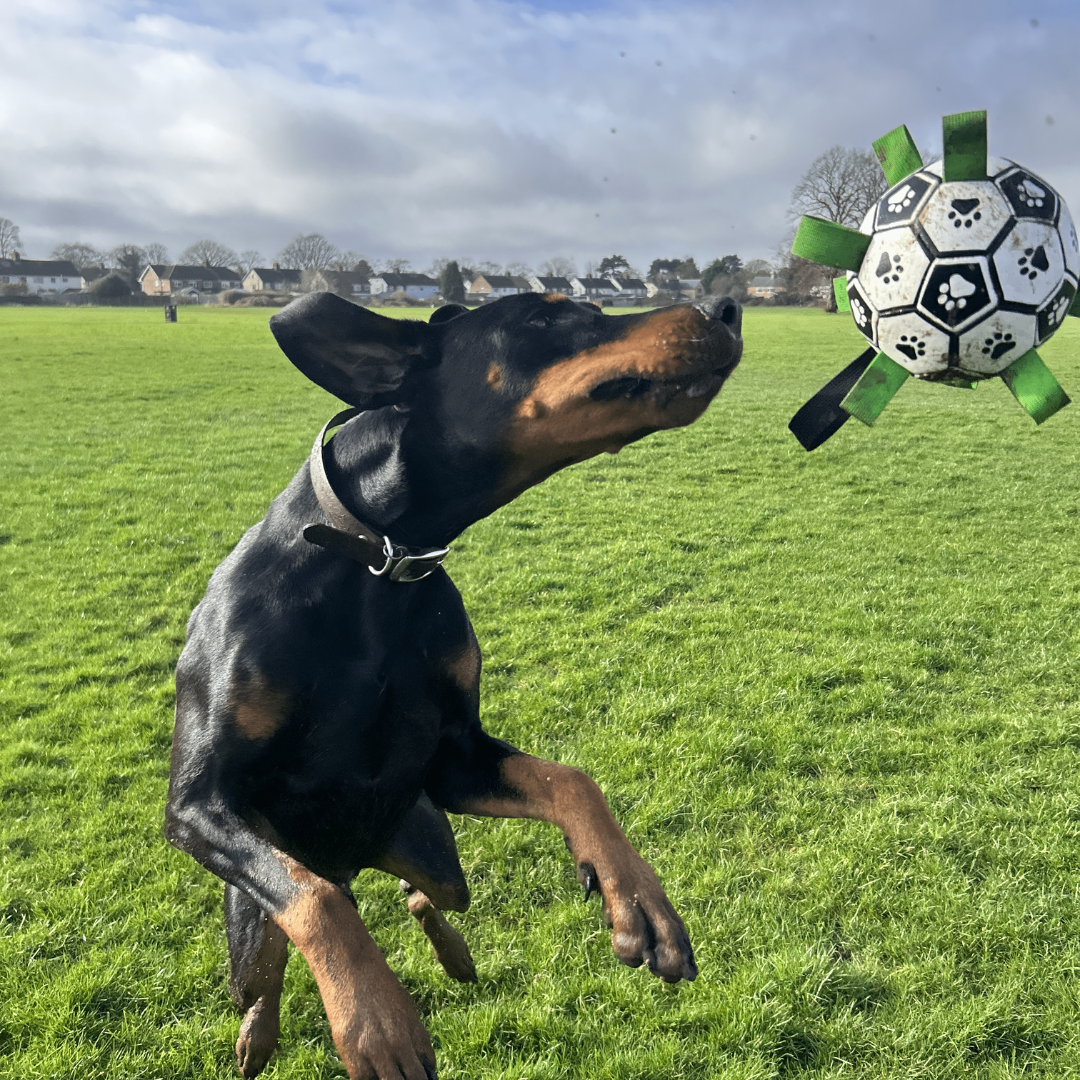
[[832, 698]]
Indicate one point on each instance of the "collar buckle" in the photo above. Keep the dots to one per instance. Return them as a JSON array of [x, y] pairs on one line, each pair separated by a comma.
[[401, 566]]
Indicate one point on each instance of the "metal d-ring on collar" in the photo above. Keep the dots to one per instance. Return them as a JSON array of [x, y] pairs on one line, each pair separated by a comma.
[[351, 537]]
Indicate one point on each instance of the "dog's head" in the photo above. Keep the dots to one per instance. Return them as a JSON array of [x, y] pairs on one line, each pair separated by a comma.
[[526, 385]]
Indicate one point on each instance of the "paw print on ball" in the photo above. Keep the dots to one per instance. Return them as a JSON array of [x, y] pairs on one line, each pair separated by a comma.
[[862, 316], [889, 269], [997, 345], [1032, 261], [953, 294], [900, 200], [913, 346], [964, 213]]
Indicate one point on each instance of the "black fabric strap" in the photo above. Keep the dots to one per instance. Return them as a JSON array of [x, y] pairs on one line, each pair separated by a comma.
[[821, 417]]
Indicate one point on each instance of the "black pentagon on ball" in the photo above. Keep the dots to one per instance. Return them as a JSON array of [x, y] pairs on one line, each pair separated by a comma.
[[956, 293], [861, 311], [1028, 196], [900, 204], [1053, 313]]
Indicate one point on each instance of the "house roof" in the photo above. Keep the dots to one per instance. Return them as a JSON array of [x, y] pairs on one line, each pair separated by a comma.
[[763, 282], [628, 283], [496, 281], [346, 277], [38, 267], [596, 283], [167, 273], [554, 284], [268, 273], [405, 279]]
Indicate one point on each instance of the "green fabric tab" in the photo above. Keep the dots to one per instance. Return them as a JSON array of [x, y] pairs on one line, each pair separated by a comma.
[[898, 154], [1074, 308], [839, 288], [964, 138], [1034, 386], [830, 244], [869, 396]]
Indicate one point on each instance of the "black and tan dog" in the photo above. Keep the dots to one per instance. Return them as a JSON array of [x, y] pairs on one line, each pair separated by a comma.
[[327, 709]]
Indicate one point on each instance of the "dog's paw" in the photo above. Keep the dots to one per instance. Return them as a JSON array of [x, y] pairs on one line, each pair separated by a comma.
[[385, 1039], [645, 928], [258, 1038]]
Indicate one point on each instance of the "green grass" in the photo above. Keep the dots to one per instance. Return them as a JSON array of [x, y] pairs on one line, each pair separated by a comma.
[[832, 698]]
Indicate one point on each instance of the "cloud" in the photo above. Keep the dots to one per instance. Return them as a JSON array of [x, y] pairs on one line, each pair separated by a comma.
[[484, 126]]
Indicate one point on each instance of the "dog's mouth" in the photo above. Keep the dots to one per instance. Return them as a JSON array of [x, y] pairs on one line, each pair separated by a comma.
[[660, 392]]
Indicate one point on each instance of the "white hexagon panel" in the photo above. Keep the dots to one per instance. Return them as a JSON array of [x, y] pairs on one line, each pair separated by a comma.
[[892, 269], [913, 343], [965, 215], [1069, 241], [957, 292], [990, 347], [1030, 263]]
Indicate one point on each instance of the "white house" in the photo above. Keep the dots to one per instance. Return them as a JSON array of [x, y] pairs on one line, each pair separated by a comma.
[[40, 276], [590, 288], [418, 286], [630, 289], [559, 285], [764, 287], [271, 279]]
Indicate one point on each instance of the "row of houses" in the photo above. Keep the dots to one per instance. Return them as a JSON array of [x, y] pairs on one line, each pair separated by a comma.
[[59, 276]]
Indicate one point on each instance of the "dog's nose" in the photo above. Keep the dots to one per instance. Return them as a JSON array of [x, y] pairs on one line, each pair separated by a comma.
[[723, 309]]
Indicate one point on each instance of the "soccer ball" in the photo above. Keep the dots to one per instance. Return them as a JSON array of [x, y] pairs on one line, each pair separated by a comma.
[[963, 277]]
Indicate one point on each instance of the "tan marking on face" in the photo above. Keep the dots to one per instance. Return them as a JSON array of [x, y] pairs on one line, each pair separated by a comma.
[[258, 709], [495, 377], [557, 422], [551, 297]]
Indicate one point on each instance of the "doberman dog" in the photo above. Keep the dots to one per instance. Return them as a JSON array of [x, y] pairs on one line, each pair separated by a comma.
[[327, 705]]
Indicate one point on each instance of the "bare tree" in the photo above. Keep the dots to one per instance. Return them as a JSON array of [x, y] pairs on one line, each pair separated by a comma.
[[246, 261], [518, 269], [308, 252], [9, 238], [78, 253], [397, 266], [208, 253], [129, 258], [158, 254], [840, 185], [347, 260]]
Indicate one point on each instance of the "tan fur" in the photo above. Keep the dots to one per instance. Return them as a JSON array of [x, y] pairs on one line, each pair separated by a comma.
[[451, 949], [495, 377], [372, 1020], [259, 710]]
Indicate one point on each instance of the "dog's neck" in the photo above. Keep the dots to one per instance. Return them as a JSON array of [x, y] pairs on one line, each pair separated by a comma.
[[404, 482]]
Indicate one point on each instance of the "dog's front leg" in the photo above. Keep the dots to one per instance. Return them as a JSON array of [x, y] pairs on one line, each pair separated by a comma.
[[645, 927], [372, 1019]]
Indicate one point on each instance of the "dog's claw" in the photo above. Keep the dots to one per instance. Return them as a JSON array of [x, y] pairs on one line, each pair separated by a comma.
[[586, 873]]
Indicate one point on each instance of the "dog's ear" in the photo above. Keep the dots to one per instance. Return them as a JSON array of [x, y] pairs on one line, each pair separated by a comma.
[[447, 312], [360, 357]]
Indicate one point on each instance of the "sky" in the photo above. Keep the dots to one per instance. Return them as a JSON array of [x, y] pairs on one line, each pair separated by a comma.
[[499, 130]]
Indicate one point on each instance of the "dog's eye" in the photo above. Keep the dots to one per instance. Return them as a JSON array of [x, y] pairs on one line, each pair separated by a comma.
[[541, 322]]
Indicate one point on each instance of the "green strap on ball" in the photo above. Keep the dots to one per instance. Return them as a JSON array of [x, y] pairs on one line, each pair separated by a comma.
[[839, 288], [964, 138], [898, 154], [875, 389], [1034, 386], [1074, 307], [830, 244]]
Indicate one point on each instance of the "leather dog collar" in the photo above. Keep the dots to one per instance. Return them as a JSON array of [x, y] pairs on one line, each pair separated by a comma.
[[349, 536]]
